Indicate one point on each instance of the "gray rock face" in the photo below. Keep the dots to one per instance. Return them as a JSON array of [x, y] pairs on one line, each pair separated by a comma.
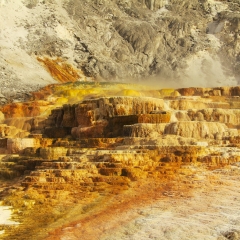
[[139, 39], [184, 42]]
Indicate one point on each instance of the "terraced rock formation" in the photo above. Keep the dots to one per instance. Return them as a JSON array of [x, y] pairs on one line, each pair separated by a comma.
[[66, 164]]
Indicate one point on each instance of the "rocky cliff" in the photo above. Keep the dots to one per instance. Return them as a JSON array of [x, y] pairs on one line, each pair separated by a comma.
[[184, 42]]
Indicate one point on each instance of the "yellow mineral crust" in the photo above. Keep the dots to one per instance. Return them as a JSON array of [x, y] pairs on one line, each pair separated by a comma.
[[84, 155]]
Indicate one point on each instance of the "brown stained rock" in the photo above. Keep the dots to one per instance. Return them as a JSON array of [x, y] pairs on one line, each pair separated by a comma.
[[60, 70], [43, 93], [187, 91], [107, 116], [111, 171], [3, 143], [57, 132], [68, 118], [52, 153], [115, 106], [116, 124], [95, 131], [105, 143], [27, 109]]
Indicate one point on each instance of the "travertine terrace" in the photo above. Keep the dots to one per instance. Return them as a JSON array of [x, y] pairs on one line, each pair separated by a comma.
[[87, 152], [73, 150]]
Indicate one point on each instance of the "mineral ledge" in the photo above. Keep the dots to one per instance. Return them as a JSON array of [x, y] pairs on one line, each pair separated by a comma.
[[70, 163]]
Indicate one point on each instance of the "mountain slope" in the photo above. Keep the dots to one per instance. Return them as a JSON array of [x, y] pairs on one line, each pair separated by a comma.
[[173, 42]]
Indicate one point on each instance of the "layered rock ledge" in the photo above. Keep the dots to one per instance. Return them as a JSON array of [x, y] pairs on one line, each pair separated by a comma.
[[81, 153]]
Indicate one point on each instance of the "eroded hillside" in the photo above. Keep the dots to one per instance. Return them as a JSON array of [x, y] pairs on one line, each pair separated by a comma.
[[179, 42]]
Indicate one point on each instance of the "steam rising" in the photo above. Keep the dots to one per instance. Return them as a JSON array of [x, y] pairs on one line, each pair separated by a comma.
[[205, 70]]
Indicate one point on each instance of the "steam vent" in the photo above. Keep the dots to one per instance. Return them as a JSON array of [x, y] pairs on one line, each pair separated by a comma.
[[87, 160]]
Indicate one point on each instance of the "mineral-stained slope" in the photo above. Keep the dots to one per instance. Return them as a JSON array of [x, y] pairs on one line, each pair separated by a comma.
[[78, 153], [190, 42]]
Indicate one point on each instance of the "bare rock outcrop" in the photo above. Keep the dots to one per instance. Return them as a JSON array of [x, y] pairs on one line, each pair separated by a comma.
[[117, 40]]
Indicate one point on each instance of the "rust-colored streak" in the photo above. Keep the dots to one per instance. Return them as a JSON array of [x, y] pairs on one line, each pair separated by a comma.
[[43, 93], [117, 211], [14, 110], [60, 70]]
